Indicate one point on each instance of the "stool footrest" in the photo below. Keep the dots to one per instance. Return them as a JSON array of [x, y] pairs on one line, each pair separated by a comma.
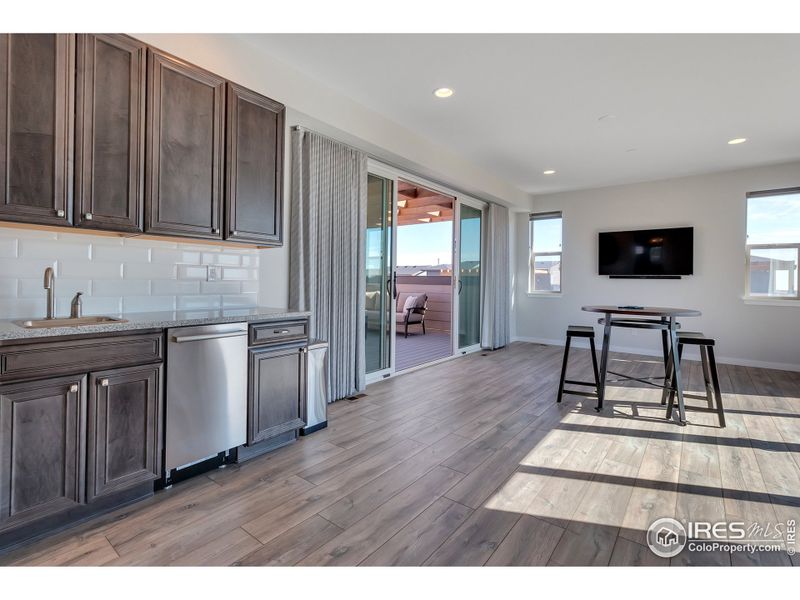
[[580, 393], [586, 383]]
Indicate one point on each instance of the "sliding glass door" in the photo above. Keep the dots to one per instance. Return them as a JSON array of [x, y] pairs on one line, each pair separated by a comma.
[[468, 292], [423, 272], [378, 304]]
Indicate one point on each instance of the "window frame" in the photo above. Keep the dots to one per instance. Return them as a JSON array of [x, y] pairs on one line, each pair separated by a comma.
[[750, 247], [542, 216]]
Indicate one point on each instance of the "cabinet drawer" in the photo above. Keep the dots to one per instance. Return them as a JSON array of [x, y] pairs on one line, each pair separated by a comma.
[[262, 334], [78, 356]]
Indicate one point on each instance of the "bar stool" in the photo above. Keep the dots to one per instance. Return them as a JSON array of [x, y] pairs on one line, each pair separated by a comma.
[[710, 375], [579, 331]]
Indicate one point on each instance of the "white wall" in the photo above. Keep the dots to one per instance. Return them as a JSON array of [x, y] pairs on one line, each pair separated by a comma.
[[120, 275], [748, 334]]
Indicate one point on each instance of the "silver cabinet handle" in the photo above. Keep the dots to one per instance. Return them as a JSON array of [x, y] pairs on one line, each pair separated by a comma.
[[215, 230], [73, 388], [303, 350], [234, 232], [104, 382], [179, 339], [280, 331], [60, 213], [87, 216]]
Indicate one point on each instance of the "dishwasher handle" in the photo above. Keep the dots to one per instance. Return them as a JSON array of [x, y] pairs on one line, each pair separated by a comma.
[[179, 339]]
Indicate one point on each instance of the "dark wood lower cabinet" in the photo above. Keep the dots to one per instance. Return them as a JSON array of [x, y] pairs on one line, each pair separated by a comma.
[[42, 449], [276, 400], [124, 429]]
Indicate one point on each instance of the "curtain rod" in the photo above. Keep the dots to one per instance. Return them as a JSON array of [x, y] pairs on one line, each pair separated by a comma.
[[390, 164]]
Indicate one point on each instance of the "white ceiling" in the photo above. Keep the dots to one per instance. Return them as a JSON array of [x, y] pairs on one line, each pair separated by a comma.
[[526, 103]]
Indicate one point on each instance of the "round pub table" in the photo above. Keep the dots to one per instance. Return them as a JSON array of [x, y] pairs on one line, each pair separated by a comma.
[[643, 317]]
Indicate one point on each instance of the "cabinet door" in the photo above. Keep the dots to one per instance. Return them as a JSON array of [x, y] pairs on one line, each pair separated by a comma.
[[109, 157], [185, 122], [37, 73], [254, 193], [42, 450], [276, 400], [124, 425]]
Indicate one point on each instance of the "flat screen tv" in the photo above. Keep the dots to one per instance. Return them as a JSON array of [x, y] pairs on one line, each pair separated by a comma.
[[647, 252]]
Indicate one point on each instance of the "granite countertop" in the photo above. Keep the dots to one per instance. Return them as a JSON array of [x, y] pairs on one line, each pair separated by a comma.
[[10, 331]]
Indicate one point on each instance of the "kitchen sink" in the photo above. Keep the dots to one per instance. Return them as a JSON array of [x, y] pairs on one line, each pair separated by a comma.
[[68, 322]]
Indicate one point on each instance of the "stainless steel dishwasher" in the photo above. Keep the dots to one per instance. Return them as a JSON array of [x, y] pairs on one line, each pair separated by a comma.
[[206, 392]]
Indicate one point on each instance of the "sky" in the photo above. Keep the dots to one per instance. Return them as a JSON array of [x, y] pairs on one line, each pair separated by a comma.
[[425, 244], [773, 219]]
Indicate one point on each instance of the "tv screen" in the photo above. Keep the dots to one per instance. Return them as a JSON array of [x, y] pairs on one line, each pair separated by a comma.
[[647, 252]]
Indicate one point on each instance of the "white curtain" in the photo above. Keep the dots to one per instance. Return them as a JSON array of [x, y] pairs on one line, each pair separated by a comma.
[[496, 302], [326, 252]]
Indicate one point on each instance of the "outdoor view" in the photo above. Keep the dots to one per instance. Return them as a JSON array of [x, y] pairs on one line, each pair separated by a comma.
[[545, 235], [773, 244]]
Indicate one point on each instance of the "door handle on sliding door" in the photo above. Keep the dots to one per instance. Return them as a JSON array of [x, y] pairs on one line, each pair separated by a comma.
[[459, 287], [394, 292]]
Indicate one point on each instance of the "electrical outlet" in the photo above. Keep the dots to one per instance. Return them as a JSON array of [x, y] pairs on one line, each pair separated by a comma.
[[213, 273]]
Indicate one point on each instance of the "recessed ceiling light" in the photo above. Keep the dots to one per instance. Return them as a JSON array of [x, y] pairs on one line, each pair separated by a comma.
[[549, 172], [435, 213], [402, 203], [735, 141], [425, 219], [443, 92]]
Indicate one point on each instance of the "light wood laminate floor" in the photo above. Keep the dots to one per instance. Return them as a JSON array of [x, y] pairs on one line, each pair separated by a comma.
[[471, 462]]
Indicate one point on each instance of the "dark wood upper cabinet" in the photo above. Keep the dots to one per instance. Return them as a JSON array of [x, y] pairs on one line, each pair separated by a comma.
[[123, 433], [254, 190], [36, 125], [109, 132], [42, 449], [276, 399], [185, 145]]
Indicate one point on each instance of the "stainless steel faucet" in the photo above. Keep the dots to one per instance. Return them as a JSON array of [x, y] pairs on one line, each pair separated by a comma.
[[49, 285]]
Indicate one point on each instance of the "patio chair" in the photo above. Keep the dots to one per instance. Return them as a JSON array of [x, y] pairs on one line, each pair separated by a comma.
[[410, 310]]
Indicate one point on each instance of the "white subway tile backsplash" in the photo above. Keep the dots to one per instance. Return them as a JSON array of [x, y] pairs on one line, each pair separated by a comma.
[[250, 287], [121, 274], [172, 287], [234, 274], [33, 287], [120, 253], [192, 272], [198, 302], [219, 258], [240, 301], [173, 256], [22, 308], [250, 260], [148, 271], [35, 248], [133, 304], [8, 288], [8, 247], [220, 287], [121, 287], [94, 269], [26, 267]]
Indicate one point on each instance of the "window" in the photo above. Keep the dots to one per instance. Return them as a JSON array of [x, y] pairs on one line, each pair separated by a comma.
[[545, 253], [773, 244]]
